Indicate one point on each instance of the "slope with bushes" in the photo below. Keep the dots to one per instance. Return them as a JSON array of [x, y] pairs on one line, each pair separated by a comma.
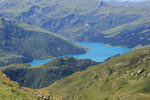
[[44, 75], [7, 58], [124, 77], [32, 42], [10, 90]]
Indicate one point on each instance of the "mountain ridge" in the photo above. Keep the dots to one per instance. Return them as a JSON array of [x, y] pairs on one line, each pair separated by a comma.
[[124, 77], [85, 21], [46, 74], [32, 42]]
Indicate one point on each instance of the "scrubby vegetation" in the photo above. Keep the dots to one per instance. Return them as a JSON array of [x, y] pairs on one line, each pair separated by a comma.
[[20, 43], [44, 75], [10, 90], [7, 58], [124, 77]]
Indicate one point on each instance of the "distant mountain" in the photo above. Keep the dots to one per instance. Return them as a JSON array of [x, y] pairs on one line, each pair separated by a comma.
[[124, 77], [128, 0], [44, 75], [22, 41], [143, 4], [85, 20], [129, 35]]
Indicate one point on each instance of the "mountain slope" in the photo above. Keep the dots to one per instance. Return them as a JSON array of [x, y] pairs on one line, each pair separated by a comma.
[[32, 42], [13, 91], [124, 77], [46, 74], [9, 88], [130, 35], [86, 20], [9, 58]]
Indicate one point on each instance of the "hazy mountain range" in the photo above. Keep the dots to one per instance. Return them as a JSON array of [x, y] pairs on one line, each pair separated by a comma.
[[86, 21], [128, 0]]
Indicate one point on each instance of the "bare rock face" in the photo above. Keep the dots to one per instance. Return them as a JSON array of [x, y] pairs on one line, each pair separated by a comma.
[[140, 71], [148, 74]]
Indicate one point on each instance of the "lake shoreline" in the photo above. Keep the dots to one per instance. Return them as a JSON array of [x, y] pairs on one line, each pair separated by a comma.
[[96, 51]]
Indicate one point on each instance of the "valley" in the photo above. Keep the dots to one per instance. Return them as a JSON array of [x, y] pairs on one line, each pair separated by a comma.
[[110, 23], [26, 43], [97, 52], [74, 50], [46, 74], [123, 77]]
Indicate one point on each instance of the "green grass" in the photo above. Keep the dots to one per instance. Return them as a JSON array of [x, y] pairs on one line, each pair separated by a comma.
[[8, 58], [11, 91], [44, 75], [128, 27], [114, 79]]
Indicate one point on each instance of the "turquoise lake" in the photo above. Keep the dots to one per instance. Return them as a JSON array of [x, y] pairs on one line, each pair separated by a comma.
[[98, 52]]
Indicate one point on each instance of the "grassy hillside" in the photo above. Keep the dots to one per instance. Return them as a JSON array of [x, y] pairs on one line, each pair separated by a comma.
[[86, 20], [7, 58], [32, 42], [130, 35], [13, 91], [124, 77], [44, 75]]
